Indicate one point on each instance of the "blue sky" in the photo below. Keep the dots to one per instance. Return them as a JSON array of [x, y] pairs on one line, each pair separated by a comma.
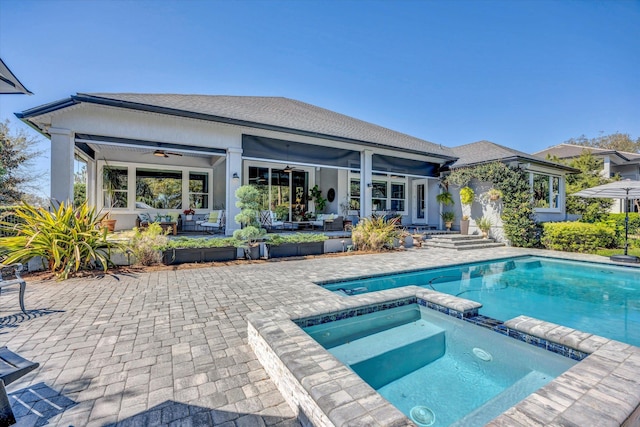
[[526, 74]]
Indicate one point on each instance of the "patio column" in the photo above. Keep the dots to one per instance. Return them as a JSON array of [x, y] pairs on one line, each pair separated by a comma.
[[366, 166], [92, 191], [233, 167], [61, 165]]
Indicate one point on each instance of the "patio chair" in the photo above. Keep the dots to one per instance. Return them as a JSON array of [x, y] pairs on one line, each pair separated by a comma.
[[215, 222], [269, 221], [12, 367], [13, 271]]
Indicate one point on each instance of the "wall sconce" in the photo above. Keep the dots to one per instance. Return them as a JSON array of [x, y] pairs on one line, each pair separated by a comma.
[[369, 184], [235, 177]]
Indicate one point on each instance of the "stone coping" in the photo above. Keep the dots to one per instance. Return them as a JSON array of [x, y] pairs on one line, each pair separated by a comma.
[[603, 389]]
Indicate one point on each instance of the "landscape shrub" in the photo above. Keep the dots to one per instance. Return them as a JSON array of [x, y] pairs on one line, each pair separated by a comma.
[[618, 218], [68, 239], [578, 236], [280, 239], [374, 234], [199, 242], [146, 243]]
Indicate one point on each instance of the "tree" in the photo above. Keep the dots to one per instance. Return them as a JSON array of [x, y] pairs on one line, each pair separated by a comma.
[[16, 153], [616, 141], [589, 176]]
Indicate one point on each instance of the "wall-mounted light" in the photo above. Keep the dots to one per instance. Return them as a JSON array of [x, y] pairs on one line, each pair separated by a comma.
[[235, 177]]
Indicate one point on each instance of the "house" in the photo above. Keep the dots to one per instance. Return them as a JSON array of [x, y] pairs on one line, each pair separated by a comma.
[[546, 178], [614, 162], [9, 83], [174, 152]]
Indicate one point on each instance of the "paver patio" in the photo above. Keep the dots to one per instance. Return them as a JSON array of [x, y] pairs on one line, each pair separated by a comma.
[[170, 347]]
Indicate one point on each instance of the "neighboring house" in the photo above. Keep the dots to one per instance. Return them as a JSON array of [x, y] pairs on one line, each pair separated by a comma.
[[546, 178], [622, 163], [9, 83], [202, 148]]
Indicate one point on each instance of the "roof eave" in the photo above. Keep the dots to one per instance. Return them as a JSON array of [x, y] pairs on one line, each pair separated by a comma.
[[521, 160]]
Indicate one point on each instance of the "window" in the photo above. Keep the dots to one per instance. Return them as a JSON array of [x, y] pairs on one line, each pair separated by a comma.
[[546, 191], [143, 187], [379, 196], [115, 187], [388, 193], [160, 189], [198, 190], [354, 194], [397, 196], [79, 181]]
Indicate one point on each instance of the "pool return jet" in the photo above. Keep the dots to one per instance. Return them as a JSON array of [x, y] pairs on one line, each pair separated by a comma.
[[625, 189]]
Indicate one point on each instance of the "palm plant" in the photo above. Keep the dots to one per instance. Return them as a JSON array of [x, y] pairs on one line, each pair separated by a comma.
[[68, 239], [374, 234]]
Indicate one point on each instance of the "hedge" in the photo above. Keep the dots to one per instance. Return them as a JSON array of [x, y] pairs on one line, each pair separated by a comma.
[[634, 221], [578, 236]]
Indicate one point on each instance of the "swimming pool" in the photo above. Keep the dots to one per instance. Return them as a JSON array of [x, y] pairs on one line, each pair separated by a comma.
[[597, 298], [439, 370]]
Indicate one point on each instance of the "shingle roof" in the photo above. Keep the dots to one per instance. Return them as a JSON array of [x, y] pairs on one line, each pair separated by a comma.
[[264, 112], [567, 151], [487, 151]]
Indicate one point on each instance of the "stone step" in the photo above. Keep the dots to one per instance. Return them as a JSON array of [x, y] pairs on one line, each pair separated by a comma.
[[461, 242]]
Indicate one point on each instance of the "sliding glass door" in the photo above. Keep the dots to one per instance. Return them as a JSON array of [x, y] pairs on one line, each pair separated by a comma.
[[283, 192]]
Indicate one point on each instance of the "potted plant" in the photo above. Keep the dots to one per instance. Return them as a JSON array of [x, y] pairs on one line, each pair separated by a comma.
[[298, 244], [248, 200], [445, 198], [494, 194], [316, 196], [484, 224], [188, 214], [448, 218], [466, 199]]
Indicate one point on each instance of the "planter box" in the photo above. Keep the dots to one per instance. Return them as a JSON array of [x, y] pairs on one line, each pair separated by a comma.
[[295, 249], [184, 255]]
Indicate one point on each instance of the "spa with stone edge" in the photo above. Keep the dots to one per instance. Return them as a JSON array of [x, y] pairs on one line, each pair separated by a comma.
[[410, 356]]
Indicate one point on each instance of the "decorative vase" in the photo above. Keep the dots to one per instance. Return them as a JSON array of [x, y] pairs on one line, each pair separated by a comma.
[[485, 234], [464, 227], [110, 224], [448, 224], [189, 217]]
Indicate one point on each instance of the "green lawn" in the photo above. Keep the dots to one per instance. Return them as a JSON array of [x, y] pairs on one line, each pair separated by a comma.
[[634, 248]]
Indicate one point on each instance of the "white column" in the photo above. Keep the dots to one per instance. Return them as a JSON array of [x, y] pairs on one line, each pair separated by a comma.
[[366, 166], [92, 190], [606, 167], [62, 148], [233, 166]]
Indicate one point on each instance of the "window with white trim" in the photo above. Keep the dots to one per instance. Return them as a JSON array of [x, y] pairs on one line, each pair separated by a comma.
[[545, 191], [143, 186], [388, 193]]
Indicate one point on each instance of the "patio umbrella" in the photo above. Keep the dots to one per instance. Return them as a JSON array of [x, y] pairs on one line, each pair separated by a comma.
[[625, 189]]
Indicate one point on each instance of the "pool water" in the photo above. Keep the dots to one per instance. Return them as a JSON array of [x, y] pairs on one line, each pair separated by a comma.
[[597, 298], [450, 371]]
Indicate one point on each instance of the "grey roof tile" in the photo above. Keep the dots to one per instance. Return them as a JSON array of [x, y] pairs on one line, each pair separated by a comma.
[[283, 113], [567, 151], [487, 151]]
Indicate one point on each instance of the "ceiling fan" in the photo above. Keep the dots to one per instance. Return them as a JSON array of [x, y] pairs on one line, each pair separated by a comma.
[[165, 154]]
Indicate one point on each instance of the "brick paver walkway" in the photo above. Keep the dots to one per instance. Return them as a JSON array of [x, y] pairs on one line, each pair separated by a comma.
[[169, 347]]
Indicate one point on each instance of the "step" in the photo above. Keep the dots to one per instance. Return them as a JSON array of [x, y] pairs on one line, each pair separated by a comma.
[[382, 342], [480, 246], [509, 397]]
